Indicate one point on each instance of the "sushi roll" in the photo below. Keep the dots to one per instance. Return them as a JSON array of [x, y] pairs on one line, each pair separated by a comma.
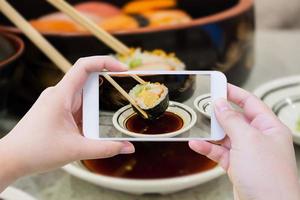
[[153, 98], [151, 60]]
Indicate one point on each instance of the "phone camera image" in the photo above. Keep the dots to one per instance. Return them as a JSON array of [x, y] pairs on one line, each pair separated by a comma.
[[154, 106]]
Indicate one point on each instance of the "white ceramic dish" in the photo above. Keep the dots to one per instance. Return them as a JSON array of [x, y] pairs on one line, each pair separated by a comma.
[[145, 186], [186, 113], [203, 105], [11, 193], [283, 97]]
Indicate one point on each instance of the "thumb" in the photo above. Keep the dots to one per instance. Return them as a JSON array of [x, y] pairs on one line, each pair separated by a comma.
[[95, 149], [233, 123]]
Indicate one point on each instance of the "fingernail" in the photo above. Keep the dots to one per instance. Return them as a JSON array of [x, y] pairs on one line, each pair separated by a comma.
[[124, 67], [127, 148], [222, 105]]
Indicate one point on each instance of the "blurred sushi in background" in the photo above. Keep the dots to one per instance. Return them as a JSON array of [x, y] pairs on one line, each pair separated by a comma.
[[141, 6], [59, 22], [151, 60], [166, 17], [119, 23], [135, 14]]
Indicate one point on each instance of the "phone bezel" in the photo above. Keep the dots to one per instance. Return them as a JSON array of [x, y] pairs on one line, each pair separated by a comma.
[[90, 107]]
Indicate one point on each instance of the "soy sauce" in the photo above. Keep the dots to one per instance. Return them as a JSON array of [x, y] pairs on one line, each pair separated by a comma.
[[167, 123], [153, 160]]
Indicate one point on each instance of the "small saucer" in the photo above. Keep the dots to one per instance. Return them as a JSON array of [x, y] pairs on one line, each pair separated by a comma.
[[288, 111], [186, 113], [283, 97], [203, 105]]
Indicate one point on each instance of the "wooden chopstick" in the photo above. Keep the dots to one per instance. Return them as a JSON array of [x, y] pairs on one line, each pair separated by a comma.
[[138, 79], [34, 36], [96, 30], [49, 50], [125, 94]]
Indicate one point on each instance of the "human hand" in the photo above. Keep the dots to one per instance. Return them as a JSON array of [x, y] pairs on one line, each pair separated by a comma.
[[257, 153], [48, 136]]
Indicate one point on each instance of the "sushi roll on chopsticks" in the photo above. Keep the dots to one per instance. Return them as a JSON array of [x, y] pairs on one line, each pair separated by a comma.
[[139, 59], [153, 98]]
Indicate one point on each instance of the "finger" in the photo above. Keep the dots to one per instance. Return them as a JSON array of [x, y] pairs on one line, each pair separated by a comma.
[[214, 152], [95, 149], [266, 124], [235, 194], [234, 125], [75, 79], [251, 105]]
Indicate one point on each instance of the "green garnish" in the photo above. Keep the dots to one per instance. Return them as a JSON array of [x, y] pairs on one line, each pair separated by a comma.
[[148, 87], [139, 90], [135, 63]]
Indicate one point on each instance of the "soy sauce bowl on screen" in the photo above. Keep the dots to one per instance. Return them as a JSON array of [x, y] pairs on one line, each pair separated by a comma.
[[177, 119]]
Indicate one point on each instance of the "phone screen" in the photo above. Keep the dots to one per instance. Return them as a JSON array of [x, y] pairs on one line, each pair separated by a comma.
[[166, 106]]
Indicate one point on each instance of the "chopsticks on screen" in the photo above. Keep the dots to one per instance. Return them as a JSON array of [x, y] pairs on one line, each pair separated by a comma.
[[34, 36], [138, 79], [125, 94], [53, 54], [96, 30]]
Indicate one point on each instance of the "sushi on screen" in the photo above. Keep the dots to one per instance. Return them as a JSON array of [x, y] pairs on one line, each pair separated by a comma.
[[153, 98]]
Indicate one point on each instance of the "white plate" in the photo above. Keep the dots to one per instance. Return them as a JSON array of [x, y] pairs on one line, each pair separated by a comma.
[[203, 105], [11, 193], [144, 186], [283, 97]]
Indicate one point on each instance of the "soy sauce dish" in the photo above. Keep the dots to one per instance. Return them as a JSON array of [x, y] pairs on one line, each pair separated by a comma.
[[154, 168], [177, 119]]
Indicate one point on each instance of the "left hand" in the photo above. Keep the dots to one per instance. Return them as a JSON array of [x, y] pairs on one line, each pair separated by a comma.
[[48, 136]]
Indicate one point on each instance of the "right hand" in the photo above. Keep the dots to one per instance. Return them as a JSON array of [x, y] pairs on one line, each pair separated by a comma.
[[257, 153]]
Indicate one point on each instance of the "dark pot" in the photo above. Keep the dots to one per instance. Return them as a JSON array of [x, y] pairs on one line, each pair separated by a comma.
[[11, 49], [221, 37]]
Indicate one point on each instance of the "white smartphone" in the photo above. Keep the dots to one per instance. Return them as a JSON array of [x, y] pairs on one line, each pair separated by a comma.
[[165, 106]]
